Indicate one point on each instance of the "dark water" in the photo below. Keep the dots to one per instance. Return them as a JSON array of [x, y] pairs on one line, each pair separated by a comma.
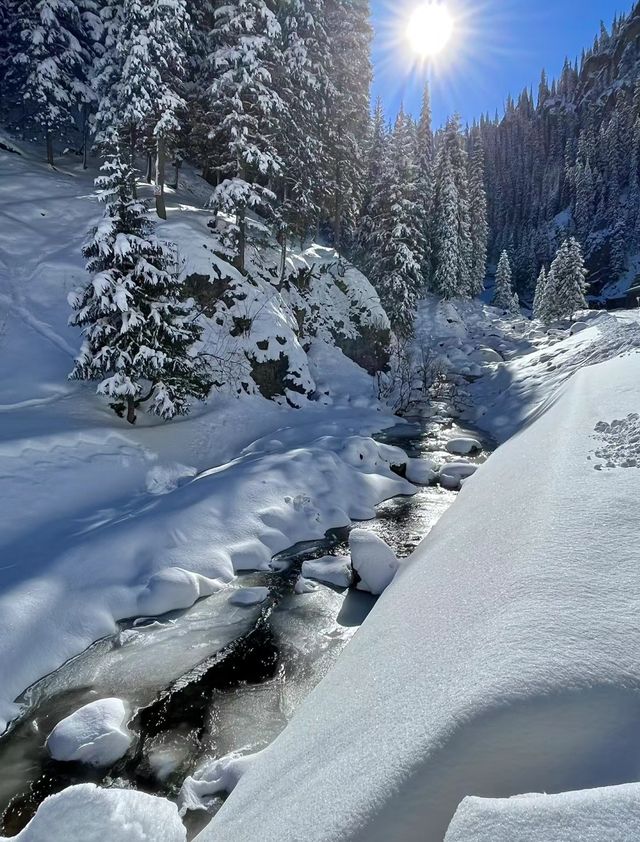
[[216, 678]]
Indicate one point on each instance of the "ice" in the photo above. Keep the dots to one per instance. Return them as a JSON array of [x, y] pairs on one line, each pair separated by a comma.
[[332, 570], [594, 815], [96, 734], [249, 596], [86, 813], [373, 561], [463, 446]]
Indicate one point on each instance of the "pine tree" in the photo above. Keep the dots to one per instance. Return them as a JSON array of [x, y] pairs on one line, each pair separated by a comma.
[[372, 215], [446, 280], [397, 256], [245, 106], [50, 65], [426, 165], [567, 293], [138, 330], [505, 298], [540, 295], [140, 75], [479, 228]]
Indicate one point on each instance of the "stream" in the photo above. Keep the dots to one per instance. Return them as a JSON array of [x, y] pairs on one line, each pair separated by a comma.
[[216, 678]]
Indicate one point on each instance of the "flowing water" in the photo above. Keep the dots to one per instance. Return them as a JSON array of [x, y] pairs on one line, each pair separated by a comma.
[[216, 678]]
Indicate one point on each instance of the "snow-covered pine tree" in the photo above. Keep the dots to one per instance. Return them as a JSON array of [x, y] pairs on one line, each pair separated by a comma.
[[540, 295], [569, 288], [7, 23], [138, 329], [397, 255], [246, 107], [505, 298], [479, 228], [375, 195], [446, 252], [50, 65], [140, 76], [426, 169], [348, 123]]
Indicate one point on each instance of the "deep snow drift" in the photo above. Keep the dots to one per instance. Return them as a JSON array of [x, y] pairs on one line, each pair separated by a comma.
[[593, 815], [503, 659]]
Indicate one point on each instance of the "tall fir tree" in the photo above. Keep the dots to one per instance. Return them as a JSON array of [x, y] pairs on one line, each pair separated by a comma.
[[505, 298], [372, 214], [246, 107], [426, 169], [479, 229], [567, 290], [446, 280], [539, 300], [138, 330]]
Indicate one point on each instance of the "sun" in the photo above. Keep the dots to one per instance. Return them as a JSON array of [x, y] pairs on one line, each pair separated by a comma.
[[430, 29]]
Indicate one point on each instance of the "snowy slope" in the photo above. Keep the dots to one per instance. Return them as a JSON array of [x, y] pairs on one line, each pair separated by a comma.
[[611, 813], [503, 659], [102, 521]]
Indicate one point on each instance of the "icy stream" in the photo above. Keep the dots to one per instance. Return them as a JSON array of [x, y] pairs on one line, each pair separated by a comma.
[[215, 678]]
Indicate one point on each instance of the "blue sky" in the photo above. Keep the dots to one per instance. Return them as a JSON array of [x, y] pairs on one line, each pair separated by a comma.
[[500, 46]]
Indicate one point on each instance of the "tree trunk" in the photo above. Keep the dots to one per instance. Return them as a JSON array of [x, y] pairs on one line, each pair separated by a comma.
[[161, 209], [283, 255], [242, 239], [337, 220], [85, 134], [149, 175], [49, 147], [131, 410], [132, 157], [177, 166]]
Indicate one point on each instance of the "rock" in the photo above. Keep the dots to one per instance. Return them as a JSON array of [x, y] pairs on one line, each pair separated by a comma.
[[486, 355], [578, 327], [421, 471], [95, 734], [463, 446], [374, 562], [332, 570]]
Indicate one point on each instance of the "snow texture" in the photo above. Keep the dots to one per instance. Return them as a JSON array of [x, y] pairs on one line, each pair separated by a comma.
[[503, 659], [594, 815], [96, 734], [86, 813]]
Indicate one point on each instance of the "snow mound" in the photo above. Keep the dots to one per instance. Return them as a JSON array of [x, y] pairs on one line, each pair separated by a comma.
[[463, 446], [172, 589], [504, 659], [304, 586], [214, 778], [332, 570], [594, 815], [373, 561], [486, 355], [96, 734], [422, 471], [163, 479], [86, 813], [452, 475], [249, 596]]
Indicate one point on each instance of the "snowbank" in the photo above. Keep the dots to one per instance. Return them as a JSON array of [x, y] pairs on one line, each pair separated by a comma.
[[214, 778], [86, 813], [594, 815], [504, 658], [96, 734]]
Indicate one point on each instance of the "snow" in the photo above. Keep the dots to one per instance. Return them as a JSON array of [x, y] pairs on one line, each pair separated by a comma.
[[249, 596], [331, 570], [213, 778], [96, 734], [422, 471], [463, 446], [103, 521], [453, 474], [372, 560], [611, 813], [86, 813], [504, 657]]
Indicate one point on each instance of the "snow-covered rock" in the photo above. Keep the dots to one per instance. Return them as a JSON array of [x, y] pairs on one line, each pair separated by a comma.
[[332, 570], [486, 355], [174, 588], [96, 734], [463, 446], [373, 561], [610, 814], [86, 813], [304, 586], [504, 659], [578, 327], [453, 474], [214, 778], [249, 596], [422, 471]]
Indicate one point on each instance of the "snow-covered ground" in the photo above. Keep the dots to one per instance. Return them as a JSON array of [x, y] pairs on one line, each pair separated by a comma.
[[502, 659]]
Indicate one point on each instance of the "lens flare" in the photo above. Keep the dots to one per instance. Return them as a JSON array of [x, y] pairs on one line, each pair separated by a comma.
[[430, 29]]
